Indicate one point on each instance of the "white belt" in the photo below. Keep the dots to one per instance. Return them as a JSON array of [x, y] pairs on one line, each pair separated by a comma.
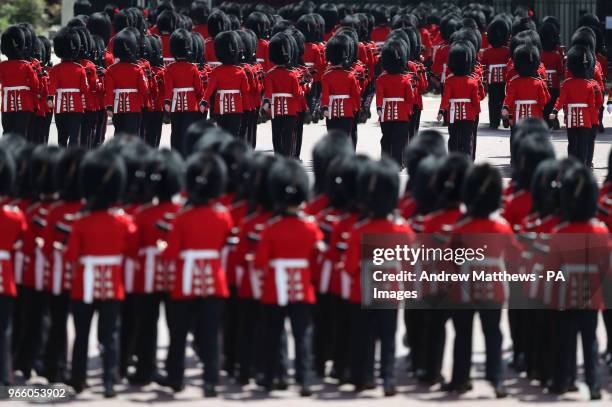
[[280, 95], [221, 95], [60, 93], [214, 63], [58, 269], [520, 103], [443, 77], [260, 60], [309, 64], [280, 267], [189, 259], [5, 255], [89, 265], [7, 89], [19, 259], [570, 114], [453, 103], [332, 99], [326, 271], [149, 254], [379, 43], [39, 269], [384, 103], [168, 60], [175, 93], [119, 92], [494, 66]]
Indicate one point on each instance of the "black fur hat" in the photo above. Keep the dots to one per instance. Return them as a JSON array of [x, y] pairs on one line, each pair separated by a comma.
[[522, 24], [156, 58], [427, 142], [334, 144], [228, 47], [585, 36], [287, 184], [549, 35], [449, 179], [181, 44], [259, 196], [580, 62], [259, 23], [307, 24], [578, 194], [7, 173], [218, 22], [205, 178], [414, 53], [211, 137], [30, 38], [527, 127], [342, 174], [448, 27], [233, 152], [122, 20], [394, 57], [400, 34], [164, 174], [280, 26], [281, 49], [12, 42], [329, 12], [135, 155], [482, 190], [199, 12], [468, 35], [67, 174], [461, 58], [381, 15], [47, 50], [82, 7], [38, 51], [126, 46], [545, 188], [338, 50], [378, 187], [424, 186], [100, 24], [167, 21], [102, 177], [198, 48], [249, 44], [526, 59], [530, 151], [67, 44], [498, 33], [86, 43]]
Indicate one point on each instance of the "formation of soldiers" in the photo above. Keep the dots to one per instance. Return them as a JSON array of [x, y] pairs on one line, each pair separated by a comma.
[[232, 241]]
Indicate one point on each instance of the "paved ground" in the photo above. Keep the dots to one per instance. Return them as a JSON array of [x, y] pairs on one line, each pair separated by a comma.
[[493, 146]]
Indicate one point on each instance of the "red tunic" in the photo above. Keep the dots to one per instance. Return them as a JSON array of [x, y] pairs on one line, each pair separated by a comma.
[[14, 227], [95, 85], [577, 99], [494, 61], [439, 65], [202, 29], [526, 97], [340, 280], [68, 83], [283, 90], [461, 98], [341, 93], [35, 263], [231, 85], [209, 53], [197, 252], [19, 86], [517, 207], [316, 204], [99, 243], [183, 86], [249, 280], [395, 96], [553, 61], [314, 59], [379, 34], [125, 87], [262, 54]]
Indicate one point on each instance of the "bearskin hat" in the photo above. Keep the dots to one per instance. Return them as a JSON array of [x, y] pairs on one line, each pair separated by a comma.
[[82, 7], [167, 21], [99, 24], [526, 59], [198, 48], [135, 155], [545, 187], [578, 194], [468, 35], [394, 57], [228, 47], [333, 144], [86, 43], [527, 127], [381, 15], [210, 137], [424, 185], [102, 177], [259, 23], [448, 27], [320, 27], [580, 62], [199, 12], [181, 44], [338, 50], [30, 38], [378, 187], [461, 58], [287, 184], [66, 174], [498, 33], [585, 36], [156, 57], [522, 24], [329, 12], [125, 46], [38, 51], [530, 151], [342, 174], [280, 26], [164, 174], [549, 36], [7, 173], [67, 44], [121, 20], [427, 142], [450, 177], [258, 178], [218, 22], [281, 49], [308, 26], [47, 50], [205, 178], [482, 190], [415, 43], [233, 152], [400, 34], [249, 44]]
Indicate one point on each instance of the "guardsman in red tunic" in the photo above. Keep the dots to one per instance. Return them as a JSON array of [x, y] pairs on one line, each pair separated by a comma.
[[58, 274], [314, 60], [200, 285], [218, 22], [482, 197], [439, 65], [286, 254], [255, 73], [282, 93], [381, 25], [167, 23], [395, 98], [99, 24], [580, 248], [579, 99], [330, 15], [125, 85], [378, 185], [494, 59], [199, 13], [183, 88], [100, 241], [552, 58], [152, 277], [101, 116], [460, 104], [153, 118], [19, 83], [260, 24], [341, 93], [95, 86], [14, 228], [228, 82]]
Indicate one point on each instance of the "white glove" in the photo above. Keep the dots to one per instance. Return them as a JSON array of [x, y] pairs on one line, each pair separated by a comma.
[[609, 108], [552, 116]]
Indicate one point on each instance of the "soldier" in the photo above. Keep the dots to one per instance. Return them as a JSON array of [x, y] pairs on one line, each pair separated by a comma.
[[255, 75], [260, 24], [155, 116], [494, 60], [200, 286], [217, 22], [86, 56], [552, 58], [199, 12]]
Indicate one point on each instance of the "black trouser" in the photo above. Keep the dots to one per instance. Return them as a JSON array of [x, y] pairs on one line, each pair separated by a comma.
[[38, 132], [607, 318], [544, 344], [56, 349], [415, 122], [245, 126], [101, 123], [152, 127], [362, 339], [518, 324], [394, 138], [252, 132], [435, 340], [462, 351], [129, 328], [474, 137], [29, 339], [6, 328], [68, 128], [179, 123], [322, 332], [340, 123], [578, 143], [414, 320], [385, 325], [570, 323], [460, 135], [497, 93], [109, 323], [250, 338], [300, 316], [591, 147], [147, 313], [283, 131], [296, 148], [230, 333], [208, 316], [127, 123], [554, 95], [16, 122], [341, 337], [88, 129], [230, 122], [46, 128]]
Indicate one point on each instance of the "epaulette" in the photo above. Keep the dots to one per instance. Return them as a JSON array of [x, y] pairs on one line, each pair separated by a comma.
[[163, 226], [63, 228]]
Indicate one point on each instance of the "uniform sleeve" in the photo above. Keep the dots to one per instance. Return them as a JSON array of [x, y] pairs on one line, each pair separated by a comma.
[[143, 86], [544, 96], [210, 89], [174, 241], [33, 83], [262, 255], [446, 96], [244, 83], [476, 96], [73, 249], [355, 92], [297, 90], [352, 258], [561, 100], [109, 89], [197, 83], [510, 94], [132, 239], [410, 96], [325, 91], [380, 92], [84, 83]]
